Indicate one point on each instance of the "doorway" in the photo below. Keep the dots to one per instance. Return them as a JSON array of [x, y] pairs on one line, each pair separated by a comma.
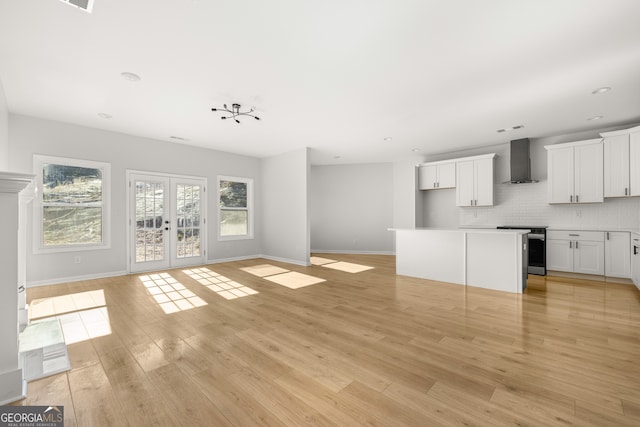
[[166, 221]]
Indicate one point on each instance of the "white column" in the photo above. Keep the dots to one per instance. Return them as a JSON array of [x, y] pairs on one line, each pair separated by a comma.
[[12, 385]]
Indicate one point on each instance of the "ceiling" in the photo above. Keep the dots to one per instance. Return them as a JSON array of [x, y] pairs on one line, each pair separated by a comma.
[[339, 77]]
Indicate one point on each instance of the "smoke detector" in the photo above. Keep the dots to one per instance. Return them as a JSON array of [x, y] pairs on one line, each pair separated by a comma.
[[86, 5]]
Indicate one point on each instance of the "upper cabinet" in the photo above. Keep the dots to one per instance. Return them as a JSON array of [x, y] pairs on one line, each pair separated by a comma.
[[474, 179], [622, 163], [436, 175], [575, 172]]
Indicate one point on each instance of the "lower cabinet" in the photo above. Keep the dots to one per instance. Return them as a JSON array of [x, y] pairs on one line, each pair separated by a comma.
[[617, 254], [576, 251]]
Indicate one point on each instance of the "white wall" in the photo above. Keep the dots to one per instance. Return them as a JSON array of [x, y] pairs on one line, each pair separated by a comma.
[[405, 195], [4, 131], [285, 201], [352, 206], [526, 204], [29, 136]]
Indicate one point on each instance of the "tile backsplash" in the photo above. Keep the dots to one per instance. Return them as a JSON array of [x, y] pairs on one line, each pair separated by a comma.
[[526, 204]]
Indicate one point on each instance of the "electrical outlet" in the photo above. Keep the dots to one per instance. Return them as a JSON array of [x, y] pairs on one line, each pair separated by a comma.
[[77, 259]]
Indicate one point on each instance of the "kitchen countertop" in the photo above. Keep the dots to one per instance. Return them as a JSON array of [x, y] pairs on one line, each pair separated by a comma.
[[464, 230], [628, 230]]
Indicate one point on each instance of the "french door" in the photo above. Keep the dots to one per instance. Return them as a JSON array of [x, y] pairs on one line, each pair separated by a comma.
[[166, 221]]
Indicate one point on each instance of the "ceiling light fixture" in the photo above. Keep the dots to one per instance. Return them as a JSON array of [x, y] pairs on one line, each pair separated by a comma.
[[235, 112], [510, 129], [132, 77], [600, 90]]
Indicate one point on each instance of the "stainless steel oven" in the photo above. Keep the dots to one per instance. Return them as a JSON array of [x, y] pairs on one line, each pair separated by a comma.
[[537, 248]]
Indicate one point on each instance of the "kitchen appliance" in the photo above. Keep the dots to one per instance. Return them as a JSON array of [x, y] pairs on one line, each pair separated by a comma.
[[537, 247], [520, 162]]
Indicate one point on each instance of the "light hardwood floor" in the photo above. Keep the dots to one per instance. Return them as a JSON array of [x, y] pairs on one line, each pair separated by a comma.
[[368, 348]]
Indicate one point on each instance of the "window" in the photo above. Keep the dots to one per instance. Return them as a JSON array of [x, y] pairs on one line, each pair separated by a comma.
[[235, 213], [72, 204]]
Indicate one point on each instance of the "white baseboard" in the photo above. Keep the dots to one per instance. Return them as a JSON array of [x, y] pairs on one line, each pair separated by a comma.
[[12, 386], [69, 279], [338, 251], [239, 258]]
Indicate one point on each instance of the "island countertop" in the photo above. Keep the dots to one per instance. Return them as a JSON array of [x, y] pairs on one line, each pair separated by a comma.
[[482, 257]]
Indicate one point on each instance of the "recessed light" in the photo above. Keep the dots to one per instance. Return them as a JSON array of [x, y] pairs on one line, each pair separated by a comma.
[[132, 77], [104, 115], [415, 150], [600, 90], [595, 118], [388, 138]]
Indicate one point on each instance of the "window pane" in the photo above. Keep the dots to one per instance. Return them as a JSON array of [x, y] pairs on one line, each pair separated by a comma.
[[72, 225], [71, 184], [233, 194], [234, 223]]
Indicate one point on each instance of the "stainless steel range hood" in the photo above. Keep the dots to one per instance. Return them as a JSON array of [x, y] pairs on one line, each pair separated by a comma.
[[520, 163]]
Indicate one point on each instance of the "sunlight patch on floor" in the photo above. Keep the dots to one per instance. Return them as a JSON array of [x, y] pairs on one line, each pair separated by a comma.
[[347, 267], [316, 260], [294, 280], [264, 270], [170, 294], [219, 284], [47, 307], [82, 315]]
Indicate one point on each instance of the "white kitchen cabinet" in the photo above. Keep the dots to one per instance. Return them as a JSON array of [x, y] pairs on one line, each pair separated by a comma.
[[474, 181], [437, 175], [635, 259], [634, 163], [575, 172], [622, 163], [617, 254], [616, 166], [576, 251]]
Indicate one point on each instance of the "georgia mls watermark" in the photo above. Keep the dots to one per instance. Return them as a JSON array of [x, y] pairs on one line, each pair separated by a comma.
[[31, 416]]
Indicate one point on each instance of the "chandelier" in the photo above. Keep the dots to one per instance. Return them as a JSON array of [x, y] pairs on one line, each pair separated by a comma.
[[235, 112]]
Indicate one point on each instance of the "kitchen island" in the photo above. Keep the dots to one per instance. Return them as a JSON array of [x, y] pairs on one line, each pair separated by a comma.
[[486, 258]]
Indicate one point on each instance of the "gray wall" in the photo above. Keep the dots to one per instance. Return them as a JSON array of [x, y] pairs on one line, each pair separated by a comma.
[[285, 201], [4, 131], [352, 206], [29, 136]]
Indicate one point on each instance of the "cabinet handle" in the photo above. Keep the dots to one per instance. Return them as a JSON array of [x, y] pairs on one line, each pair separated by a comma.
[[570, 244], [626, 191], [576, 244], [608, 235], [577, 199], [635, 250], [570, 199], [574, 235]]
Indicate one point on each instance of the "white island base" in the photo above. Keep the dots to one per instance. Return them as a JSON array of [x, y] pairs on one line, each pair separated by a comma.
[[485, 258]]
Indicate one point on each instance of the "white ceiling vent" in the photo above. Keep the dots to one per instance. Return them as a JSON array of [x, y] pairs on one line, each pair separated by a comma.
[[86, 5]]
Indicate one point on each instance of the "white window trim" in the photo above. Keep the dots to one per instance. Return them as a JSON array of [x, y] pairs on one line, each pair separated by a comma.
[[38, 242], [249, 182]]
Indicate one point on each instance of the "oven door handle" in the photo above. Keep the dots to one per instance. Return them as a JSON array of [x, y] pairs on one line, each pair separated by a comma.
[[533, 236]]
